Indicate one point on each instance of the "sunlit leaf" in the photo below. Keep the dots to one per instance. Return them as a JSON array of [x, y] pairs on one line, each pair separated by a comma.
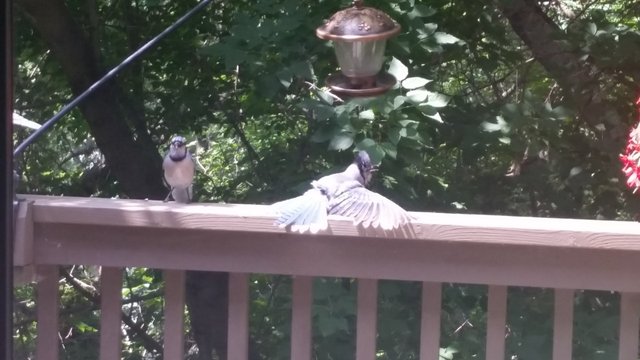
[[436, 117], [414, 82], [398, 101], [367, 115], [398, 69], [417, 96], [437, 100], [444, 38]]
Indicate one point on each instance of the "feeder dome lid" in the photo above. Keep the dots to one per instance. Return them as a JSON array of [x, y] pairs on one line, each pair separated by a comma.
[[358, 23]]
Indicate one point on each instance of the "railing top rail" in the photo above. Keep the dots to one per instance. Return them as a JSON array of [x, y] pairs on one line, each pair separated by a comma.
[[460, 248], [492, 229]]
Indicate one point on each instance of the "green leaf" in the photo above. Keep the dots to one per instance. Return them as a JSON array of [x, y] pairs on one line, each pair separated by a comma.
[[444, 38], [367, 115], [321, 135], [437, 100], [427, 30], [365, 144], [325, 96], [436, 117], [398, 101], [499, 125], [417, 96], [341, 141], [398, 69], [414, 82], [427, 110], [285, 77], [408, 123], [323, 112], [390, 149], [302, 69], [420, 10]]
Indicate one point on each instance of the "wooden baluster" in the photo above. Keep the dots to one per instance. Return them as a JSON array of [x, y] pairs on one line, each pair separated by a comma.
[[110, 313], [629, 309], [496, 320], [563, 324], [430, 321], [174, 292], [366, 325], [238, 327], [47, 312], [301, 318]]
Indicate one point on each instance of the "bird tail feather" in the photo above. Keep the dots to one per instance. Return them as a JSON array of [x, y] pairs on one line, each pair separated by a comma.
[[182, 195]]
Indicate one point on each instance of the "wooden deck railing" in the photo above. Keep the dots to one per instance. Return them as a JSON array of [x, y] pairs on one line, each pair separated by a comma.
[[498, 251]]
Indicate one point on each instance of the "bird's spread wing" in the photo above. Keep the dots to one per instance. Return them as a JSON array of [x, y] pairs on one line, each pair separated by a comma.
[[369, 209], [305, 212]]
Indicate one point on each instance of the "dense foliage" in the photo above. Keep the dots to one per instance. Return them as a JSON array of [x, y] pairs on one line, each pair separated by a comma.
[[481, 121]]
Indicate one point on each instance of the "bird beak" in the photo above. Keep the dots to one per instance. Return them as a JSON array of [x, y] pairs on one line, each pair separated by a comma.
[[374, 168]]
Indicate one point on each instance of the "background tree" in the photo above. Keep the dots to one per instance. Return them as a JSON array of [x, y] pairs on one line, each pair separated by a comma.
[[504, 107]]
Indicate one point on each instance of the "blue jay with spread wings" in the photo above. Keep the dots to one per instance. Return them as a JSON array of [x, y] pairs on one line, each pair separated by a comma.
[[345, 194], [179, 169]]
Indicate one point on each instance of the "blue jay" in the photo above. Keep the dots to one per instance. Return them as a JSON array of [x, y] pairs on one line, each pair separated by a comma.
[[179, 170], [341, 194]]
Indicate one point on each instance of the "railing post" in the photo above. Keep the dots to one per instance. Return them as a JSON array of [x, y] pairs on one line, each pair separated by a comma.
[[366, 324], [301, 318], [629, 310], [110, 313], [496, 320], [174, 293], [430, 321], [563, 324], [238, 327], [47, 312]]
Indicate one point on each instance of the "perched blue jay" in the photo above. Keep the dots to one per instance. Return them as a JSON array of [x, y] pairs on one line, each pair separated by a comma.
[[341, 194], [179, 170]]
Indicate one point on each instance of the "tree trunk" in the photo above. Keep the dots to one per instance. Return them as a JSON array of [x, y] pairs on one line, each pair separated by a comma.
[[580, 80], [132, 156], [121, 135]]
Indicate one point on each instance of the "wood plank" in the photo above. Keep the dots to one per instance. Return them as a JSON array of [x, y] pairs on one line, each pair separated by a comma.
[[110, 313], [430, 321], [238, 328], [629, 326], [23, 237], [466, 228], [338, 256], [563, 324], [366, 324], [174, 295], [301, 318], [496, 320], [47, 308]]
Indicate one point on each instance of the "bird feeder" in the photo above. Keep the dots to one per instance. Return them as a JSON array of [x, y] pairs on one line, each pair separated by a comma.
[[359, 36]]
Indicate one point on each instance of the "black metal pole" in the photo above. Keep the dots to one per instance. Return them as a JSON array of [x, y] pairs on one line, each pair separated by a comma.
[[113, 72], [6, 184]]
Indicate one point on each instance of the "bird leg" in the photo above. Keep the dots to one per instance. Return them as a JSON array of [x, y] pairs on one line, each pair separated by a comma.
[[169, 194]]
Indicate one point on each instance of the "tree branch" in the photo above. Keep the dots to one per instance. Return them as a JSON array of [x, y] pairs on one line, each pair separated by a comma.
[[580, 80], [148, 342]]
